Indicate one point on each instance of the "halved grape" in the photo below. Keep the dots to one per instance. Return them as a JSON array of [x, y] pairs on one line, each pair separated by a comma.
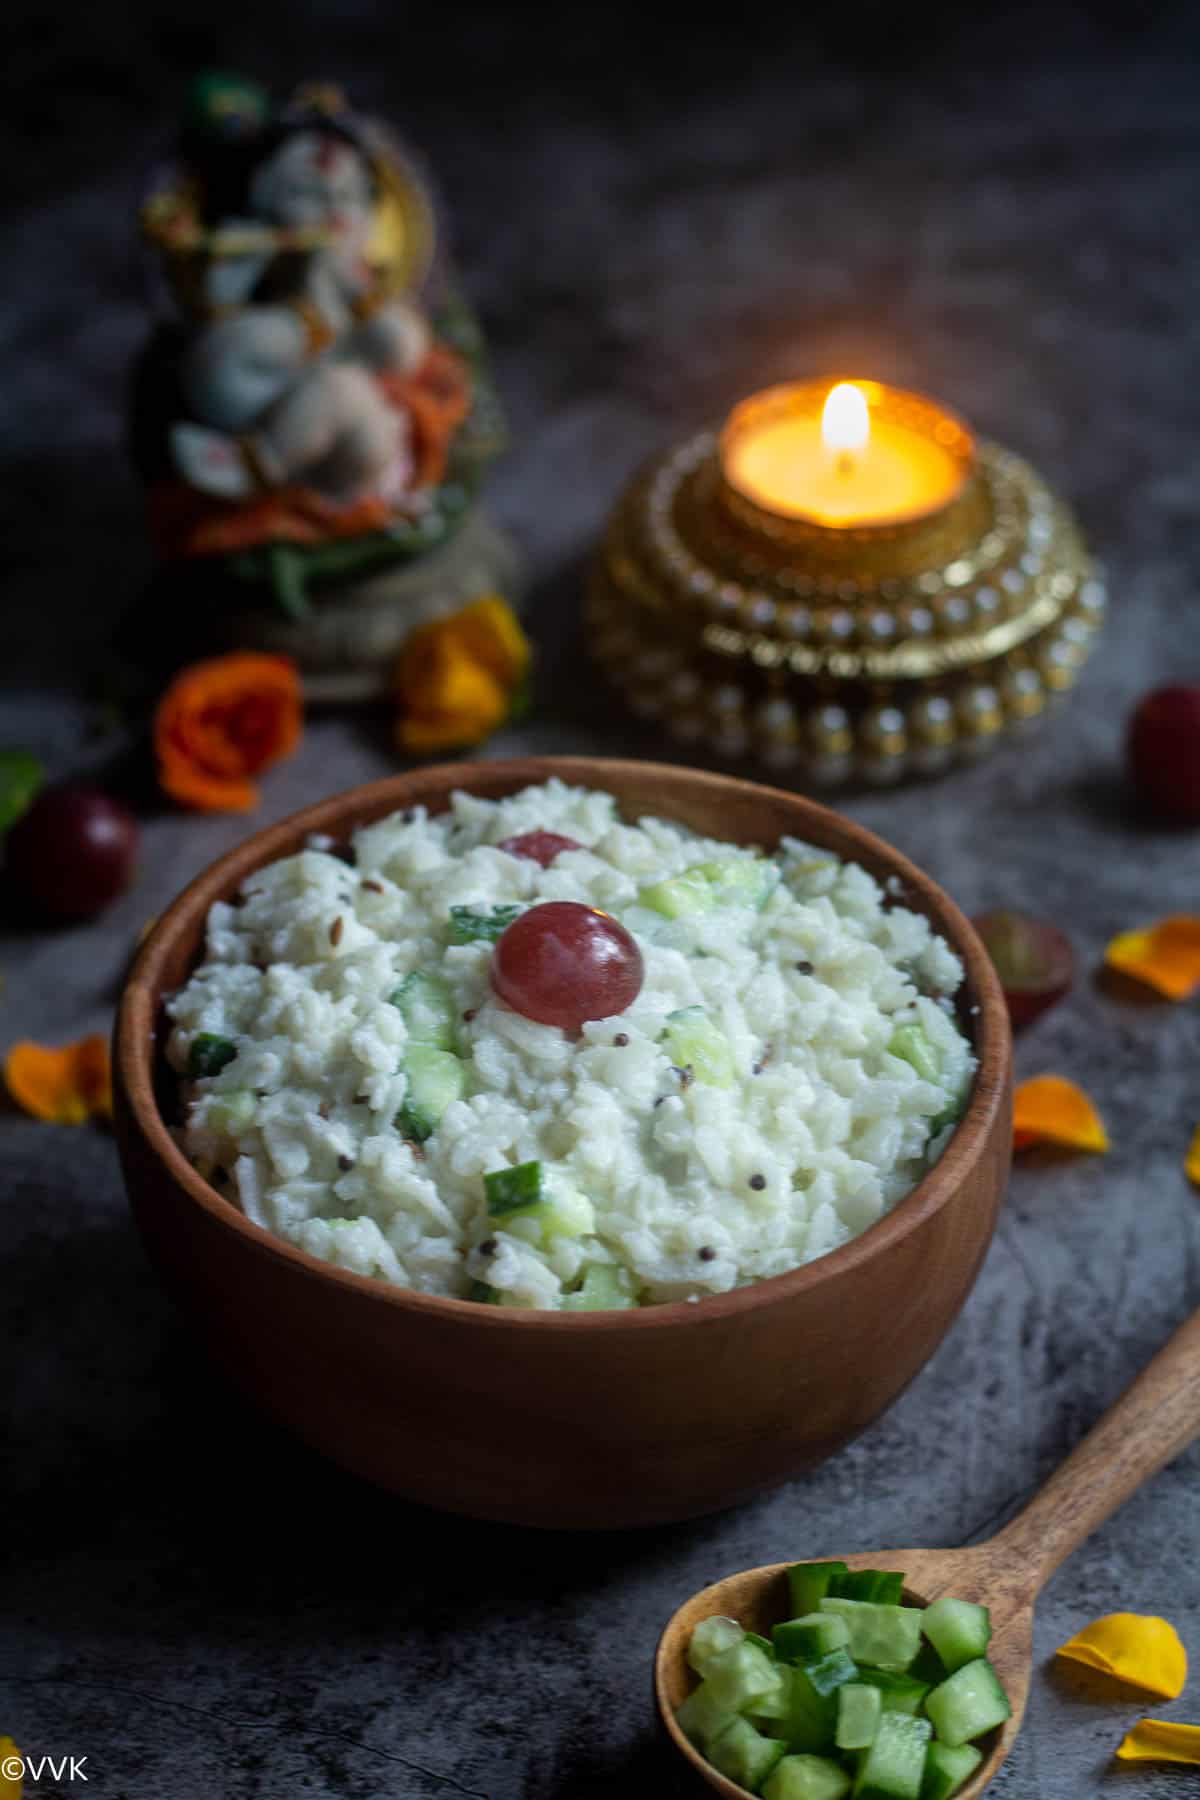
[[563, 963], [539, 846], [1033, 959]]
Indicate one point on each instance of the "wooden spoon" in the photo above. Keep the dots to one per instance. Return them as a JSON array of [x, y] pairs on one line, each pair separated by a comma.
[[1149, 1425]]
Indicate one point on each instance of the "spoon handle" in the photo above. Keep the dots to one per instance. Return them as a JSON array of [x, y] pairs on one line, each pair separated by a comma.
[[1155, 1418]]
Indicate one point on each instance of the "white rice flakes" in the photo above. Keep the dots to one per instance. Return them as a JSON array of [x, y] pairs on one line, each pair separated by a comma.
[[694, 1188]]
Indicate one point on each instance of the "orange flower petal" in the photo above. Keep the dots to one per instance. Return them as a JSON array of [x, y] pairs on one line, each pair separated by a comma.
[[1051, 1110], [64, 1086], [207, 793], [1192, 1165], [222, 721], [1136, 1648], [1166, 956], [1161, 1740]]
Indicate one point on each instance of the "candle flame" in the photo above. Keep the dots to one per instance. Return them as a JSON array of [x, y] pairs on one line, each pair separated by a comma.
[[845, 422]]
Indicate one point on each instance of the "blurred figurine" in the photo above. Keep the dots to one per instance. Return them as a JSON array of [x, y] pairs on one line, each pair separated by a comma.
[[318, 410]]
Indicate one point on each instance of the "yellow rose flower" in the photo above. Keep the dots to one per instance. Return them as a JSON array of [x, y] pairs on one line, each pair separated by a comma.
[[457, 678]]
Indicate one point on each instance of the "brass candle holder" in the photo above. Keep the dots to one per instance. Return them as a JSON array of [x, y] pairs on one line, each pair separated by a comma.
[[842, 651]]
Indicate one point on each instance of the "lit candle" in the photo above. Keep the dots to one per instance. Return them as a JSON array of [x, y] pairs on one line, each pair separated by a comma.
[[853, 454]]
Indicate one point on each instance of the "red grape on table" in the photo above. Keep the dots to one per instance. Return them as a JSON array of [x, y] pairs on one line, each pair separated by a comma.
[[72, 852], [1163, 752]]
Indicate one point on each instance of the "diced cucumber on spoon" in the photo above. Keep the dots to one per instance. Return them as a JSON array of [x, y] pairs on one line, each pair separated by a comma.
[[950, 1714]]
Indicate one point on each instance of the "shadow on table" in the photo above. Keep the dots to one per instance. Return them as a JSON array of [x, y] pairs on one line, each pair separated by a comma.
[[196, 1502], [649, 1770], [159, 1526]]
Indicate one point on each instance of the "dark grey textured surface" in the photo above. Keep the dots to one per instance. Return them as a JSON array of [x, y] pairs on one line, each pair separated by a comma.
[[1001, 214]]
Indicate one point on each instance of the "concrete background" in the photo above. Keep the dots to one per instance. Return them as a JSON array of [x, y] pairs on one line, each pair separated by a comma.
[[653, 223]]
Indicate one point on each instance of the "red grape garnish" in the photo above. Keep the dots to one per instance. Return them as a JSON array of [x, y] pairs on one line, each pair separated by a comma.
[[72, 852], [1034, 960], [539, 846], [1163, 748], [563, 963]]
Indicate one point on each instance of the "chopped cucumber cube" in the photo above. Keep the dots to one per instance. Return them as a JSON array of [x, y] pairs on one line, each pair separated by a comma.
[[764, 1644], [208, 1054], [232, 1113], [740, 880], [508, 1190], [435, 1078], [807, 1778], [776, 1705], [809, 1582], [893, 1767], [859, 1710], [701, 1718], [885, 1637], [542, 1205], [899, 1693], [947, 1768], [562, 1212], [744, 1754], [484, 1295], [959, 1631], [741, 1675], [911, 1045], [428, 1009], [884, 1586], [693, 1042], [473, 925], [679, 895], [831, 1672], [709, 1638], [810, 1638], [735, 881], [810, 1719], [605, 1288], [968, 1703]]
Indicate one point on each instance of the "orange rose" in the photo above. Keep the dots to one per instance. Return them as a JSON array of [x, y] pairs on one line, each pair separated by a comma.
[[457, 678], [221, 722]]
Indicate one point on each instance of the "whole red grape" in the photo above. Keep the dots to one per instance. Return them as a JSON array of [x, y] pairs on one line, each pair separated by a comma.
[[563, 963], [1163, 751], [1034, 960], [539, 846], [73, 851]]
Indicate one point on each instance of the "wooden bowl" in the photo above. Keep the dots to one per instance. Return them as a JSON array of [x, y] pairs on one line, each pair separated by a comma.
[[587, 1419]]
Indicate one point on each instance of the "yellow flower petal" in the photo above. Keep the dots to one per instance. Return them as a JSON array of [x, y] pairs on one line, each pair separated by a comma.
[[1161, 1740], [11, 1783], [1052, 1110], [1192, 1165], [1165, 956], [1135, 1648], [490, 631]]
